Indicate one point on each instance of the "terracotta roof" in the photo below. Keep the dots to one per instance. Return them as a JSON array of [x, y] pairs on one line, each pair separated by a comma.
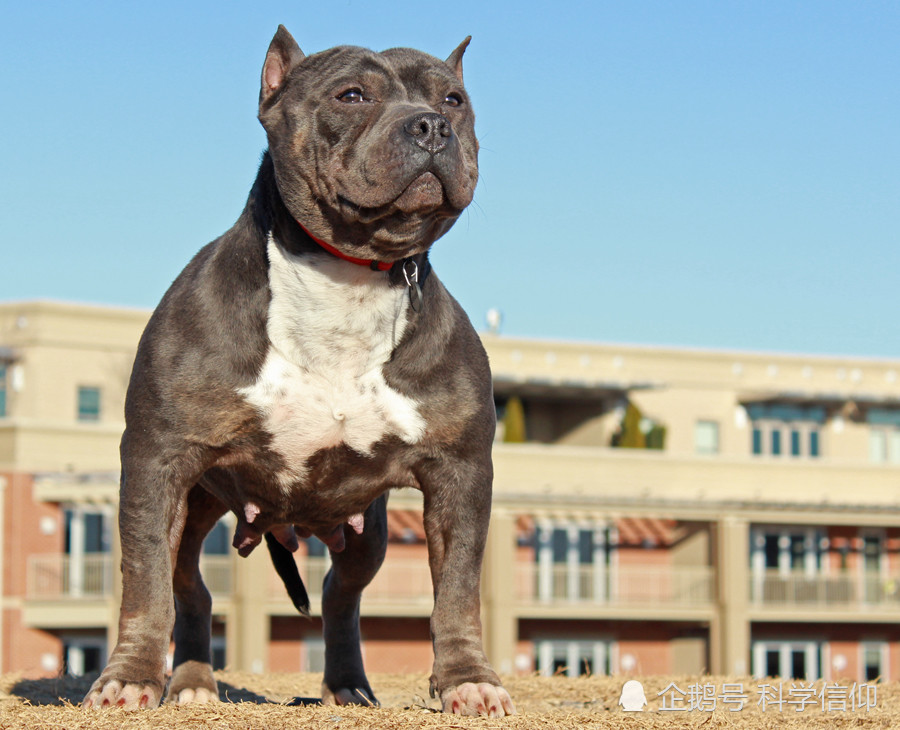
[[405, 525], [645, 530]]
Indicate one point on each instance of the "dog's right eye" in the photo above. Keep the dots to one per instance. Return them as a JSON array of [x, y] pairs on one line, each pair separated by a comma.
[[351, 96]]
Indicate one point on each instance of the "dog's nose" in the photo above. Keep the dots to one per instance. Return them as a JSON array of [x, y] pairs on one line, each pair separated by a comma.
[[429, 130]]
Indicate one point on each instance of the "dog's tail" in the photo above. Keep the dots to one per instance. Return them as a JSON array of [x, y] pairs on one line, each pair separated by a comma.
[[286, 567]]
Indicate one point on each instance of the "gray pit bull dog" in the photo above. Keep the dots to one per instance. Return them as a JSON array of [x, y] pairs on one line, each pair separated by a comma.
[[304, 364]]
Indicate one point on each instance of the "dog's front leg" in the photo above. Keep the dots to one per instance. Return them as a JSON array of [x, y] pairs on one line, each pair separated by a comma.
[[457, 513], [152, 511]]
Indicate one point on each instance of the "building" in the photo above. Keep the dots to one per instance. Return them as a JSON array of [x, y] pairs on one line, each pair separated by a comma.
[[747, 519]]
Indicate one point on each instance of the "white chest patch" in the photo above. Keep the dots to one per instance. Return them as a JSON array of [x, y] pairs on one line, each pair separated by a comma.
[[331, 326]]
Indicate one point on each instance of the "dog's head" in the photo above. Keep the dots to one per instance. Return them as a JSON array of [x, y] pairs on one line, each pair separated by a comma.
[[373, 152]]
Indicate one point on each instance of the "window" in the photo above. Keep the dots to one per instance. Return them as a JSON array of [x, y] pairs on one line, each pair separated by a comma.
[[786, 565], [873, 663], [218, 541], [217, 652], [873, 568], [757, 441], [87, 531], [313, 658], [814, 444], [877, 445], [87, 546], [573, 562], [83, 654], [786, 550], [574, 658], [787, 659], [795, 442], [315, 548], [884, 435], [706, 437], [776, 442], [771, 551], [785, 430], [88, 403], [884, 440]]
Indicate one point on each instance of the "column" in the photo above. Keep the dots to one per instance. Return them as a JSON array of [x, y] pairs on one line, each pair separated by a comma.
[[730, 632], [498, 593], [248, 637]]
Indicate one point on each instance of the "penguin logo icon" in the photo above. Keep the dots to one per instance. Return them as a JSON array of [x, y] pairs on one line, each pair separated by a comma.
[[632, 698]]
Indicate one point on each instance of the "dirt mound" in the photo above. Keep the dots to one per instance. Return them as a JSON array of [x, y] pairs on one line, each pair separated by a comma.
[[556, 703]]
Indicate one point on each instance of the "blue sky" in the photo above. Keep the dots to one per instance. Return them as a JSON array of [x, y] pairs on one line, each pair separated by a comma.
[[705, 174]]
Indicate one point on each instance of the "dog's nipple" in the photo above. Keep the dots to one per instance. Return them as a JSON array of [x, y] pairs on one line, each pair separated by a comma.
[[251, 511], [356, 522], [338, 415]]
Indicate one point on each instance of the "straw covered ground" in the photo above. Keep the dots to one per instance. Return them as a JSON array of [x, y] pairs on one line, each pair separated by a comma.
[[557, 703]]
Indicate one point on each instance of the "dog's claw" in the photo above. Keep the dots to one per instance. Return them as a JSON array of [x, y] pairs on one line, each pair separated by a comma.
[[113, 693], [347, 696]]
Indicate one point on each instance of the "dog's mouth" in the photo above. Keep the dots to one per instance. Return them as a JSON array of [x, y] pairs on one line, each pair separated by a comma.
[[422, 197], [424, 194]]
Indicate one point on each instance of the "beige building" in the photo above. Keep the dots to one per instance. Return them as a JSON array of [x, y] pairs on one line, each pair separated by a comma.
[[656, 510]]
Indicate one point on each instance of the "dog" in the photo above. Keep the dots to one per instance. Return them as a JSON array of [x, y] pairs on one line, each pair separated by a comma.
[[305, 363]]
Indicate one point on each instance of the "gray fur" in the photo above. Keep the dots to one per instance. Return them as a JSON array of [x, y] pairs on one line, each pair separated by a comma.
[[359, 174]]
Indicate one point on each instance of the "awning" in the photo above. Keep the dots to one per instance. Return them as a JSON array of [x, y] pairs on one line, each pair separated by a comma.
[[849, 404], [565, 390]]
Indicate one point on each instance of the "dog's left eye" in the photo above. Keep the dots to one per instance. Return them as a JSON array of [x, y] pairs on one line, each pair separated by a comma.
[[453, 100], [351, 96]]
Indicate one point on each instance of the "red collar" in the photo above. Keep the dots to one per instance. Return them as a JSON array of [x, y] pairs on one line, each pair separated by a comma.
[[372, 264]]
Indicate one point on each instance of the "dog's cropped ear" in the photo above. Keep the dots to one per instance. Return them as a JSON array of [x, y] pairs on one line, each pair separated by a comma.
[[454, 61], [283, 55]]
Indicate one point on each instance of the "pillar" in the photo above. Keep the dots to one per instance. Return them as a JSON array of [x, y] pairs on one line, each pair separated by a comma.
[[498, 593]]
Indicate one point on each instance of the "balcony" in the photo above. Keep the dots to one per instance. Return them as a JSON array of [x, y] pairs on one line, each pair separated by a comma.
[[56, 577], [60, 577], [852, 593], [401, 587], [639, 591], [218, 574], [532, 477]]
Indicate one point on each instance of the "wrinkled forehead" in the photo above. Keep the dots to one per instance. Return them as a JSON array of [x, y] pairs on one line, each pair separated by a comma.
[[409, 66]]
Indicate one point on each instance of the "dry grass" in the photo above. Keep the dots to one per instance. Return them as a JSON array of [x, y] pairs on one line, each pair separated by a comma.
[[558, 703]]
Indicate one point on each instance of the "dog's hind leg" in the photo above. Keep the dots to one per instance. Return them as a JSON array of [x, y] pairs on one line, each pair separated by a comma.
[[192, 675], [352, 570]]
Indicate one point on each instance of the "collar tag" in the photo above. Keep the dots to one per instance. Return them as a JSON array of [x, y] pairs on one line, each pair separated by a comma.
[[411, 274]]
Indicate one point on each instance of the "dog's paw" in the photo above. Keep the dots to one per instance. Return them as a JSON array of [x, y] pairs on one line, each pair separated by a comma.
[[477, 699], [194, 696], [129, 695], [192, 683], [348, 696]]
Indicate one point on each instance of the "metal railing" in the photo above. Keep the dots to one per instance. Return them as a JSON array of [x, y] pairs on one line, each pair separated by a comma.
[[218, 574], [614, 585], [843, 590], [408, 581], [399, 580], [60, 576]]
